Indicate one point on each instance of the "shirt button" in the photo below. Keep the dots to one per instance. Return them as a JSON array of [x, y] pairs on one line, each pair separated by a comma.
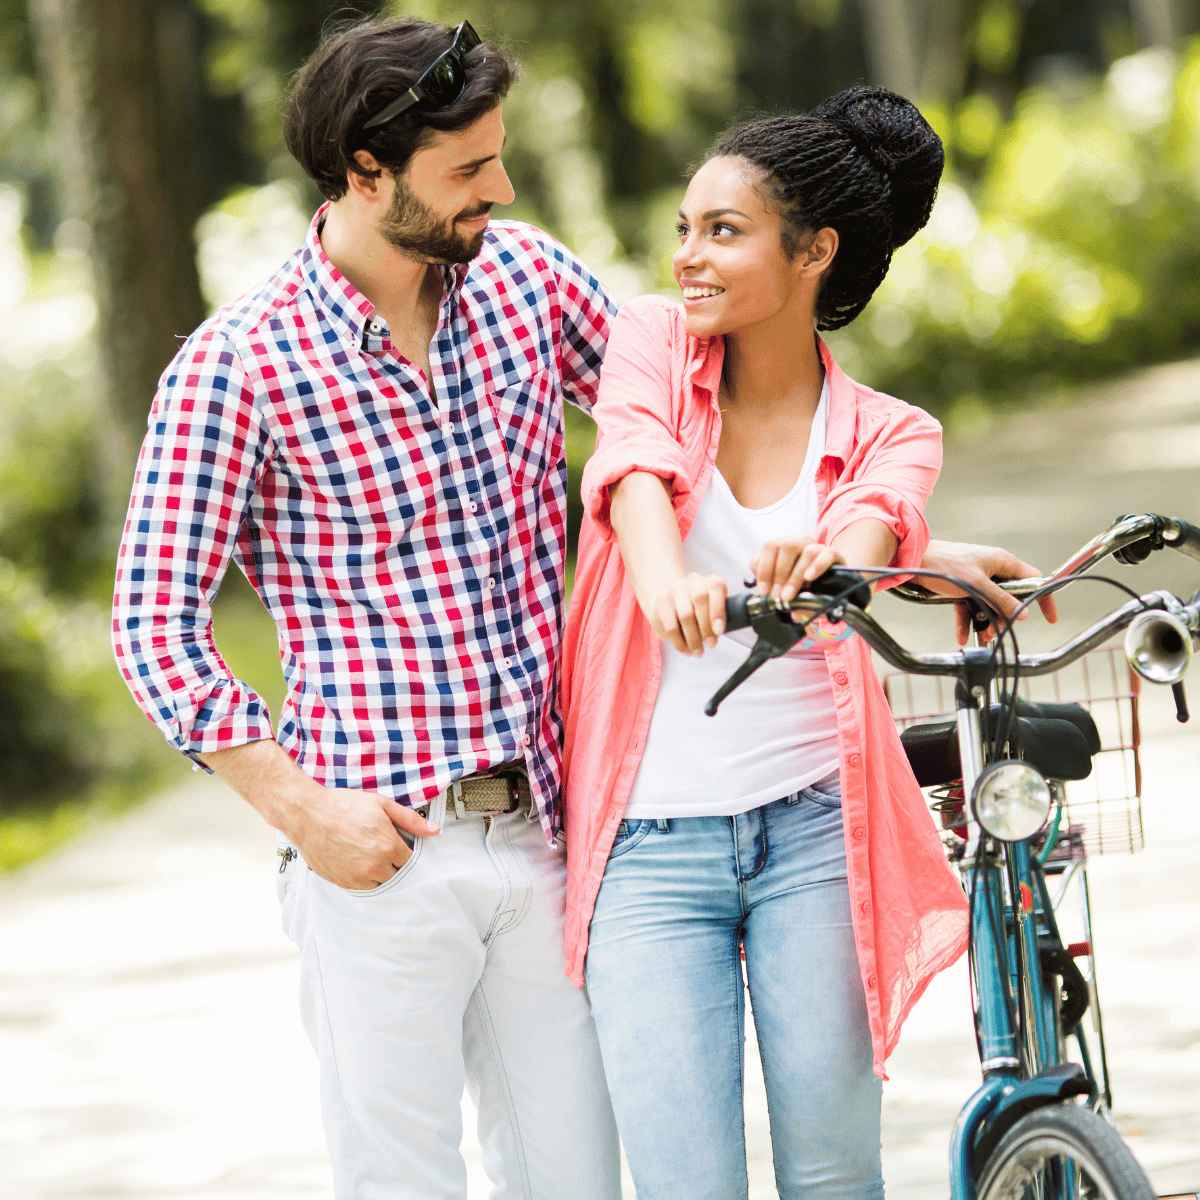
[[858, 833], [865, 907], [376, 326], [508, 662], [854, 759], [473, 506], [871, 981], [491, 583], [527, 740], [841, 678]]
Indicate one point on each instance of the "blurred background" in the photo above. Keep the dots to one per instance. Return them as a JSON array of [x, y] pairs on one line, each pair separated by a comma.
[[143, 182]]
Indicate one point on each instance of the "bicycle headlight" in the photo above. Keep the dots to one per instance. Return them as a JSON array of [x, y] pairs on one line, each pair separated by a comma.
[[1011, 800]]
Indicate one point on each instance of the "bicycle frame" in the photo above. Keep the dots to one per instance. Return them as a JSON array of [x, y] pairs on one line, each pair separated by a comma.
[[1009, 911]]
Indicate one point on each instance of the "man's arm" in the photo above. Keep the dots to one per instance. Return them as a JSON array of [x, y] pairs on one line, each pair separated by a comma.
[[199, 465], [978, 565], [197, 471], [354, 839], [587, 315]]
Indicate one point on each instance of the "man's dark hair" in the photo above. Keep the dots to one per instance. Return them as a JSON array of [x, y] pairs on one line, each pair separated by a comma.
[[358, 70], [864, 162]]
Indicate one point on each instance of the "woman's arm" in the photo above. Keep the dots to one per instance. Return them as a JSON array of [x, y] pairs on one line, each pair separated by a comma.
[[783, 567], [687, 611]]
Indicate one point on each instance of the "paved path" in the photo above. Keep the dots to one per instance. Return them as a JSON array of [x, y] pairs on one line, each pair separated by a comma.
[[149, 1045]]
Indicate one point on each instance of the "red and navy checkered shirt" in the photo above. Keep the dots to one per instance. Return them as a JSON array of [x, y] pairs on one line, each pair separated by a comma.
[[410, 551]]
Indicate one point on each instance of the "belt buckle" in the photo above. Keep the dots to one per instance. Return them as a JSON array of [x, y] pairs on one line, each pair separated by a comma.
[[456, 796]]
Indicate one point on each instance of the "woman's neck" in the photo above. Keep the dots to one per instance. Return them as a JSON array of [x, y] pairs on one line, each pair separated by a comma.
[[773, 365]]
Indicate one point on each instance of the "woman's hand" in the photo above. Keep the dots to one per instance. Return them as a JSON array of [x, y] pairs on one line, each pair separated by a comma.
[[978, 565], [690, 614], [783, 567]]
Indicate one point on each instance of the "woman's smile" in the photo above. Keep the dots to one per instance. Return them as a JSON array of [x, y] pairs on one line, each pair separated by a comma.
[[696, 293]]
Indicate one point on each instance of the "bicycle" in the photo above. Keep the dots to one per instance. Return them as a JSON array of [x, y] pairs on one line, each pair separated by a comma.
[[1036, 1129]]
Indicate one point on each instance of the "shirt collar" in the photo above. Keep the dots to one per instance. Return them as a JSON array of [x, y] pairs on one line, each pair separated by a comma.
[[842, 419], [346, 308], [707, 355]]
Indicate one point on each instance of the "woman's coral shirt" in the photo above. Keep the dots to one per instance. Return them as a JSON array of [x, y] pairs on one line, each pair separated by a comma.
[[657, 412]]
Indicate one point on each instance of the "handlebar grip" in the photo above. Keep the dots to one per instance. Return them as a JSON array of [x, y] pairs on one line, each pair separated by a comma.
[[838, 580], [1189, 539], [736, 616]]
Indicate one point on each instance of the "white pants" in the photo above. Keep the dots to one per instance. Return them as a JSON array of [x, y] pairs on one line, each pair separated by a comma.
[[451, 973]]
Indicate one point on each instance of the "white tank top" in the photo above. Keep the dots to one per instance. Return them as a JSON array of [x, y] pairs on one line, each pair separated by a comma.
[[775, 734]]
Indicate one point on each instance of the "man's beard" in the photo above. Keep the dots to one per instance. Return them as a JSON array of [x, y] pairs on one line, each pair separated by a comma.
[[411, 227]]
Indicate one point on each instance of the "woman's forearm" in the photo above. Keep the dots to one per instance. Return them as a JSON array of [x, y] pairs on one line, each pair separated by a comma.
[[866, 543], [648, 535]]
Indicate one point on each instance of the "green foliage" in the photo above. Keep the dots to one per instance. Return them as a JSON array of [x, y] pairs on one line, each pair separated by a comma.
[[1065, 244], [1075, 251], [48, 655]]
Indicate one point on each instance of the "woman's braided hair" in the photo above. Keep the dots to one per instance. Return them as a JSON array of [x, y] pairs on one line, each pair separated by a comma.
[[865, 163]]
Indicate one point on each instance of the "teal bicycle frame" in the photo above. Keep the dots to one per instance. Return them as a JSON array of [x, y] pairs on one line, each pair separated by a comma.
[[1017, 1002]]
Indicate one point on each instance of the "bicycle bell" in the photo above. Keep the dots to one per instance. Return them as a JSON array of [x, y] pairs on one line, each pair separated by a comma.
[[1158, 646]]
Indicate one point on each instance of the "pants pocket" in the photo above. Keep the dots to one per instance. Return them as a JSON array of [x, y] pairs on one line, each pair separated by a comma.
[[437, 816], [825, 792], [629, 834]]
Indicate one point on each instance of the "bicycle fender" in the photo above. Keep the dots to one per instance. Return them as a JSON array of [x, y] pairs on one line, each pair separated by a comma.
[[1054, 1085], [974, 1113]]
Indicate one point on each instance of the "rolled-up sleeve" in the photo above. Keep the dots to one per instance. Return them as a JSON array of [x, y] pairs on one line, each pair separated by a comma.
[[890, 482], [634, 410], [205, 448]]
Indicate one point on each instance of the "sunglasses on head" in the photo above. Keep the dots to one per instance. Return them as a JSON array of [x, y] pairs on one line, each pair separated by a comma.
[[439, 86]]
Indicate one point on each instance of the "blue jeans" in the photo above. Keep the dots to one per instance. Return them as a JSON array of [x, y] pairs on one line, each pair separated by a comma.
[[665, 982]]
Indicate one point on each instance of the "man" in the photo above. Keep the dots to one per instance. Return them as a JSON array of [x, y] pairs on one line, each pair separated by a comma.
[[375, 436]]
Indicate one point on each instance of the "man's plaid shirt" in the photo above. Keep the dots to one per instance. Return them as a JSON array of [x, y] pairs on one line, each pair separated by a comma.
[[410, 551]]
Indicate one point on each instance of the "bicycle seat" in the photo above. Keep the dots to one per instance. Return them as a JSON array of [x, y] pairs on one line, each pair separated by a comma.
[[1059, 748], [1075, 713]]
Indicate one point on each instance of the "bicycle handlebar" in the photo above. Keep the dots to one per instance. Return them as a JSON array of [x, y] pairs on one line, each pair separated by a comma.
[[1131, 539], [744, 609], [842, 594]]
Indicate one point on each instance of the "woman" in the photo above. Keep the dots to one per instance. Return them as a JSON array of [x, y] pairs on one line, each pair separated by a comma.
[[789, 824]]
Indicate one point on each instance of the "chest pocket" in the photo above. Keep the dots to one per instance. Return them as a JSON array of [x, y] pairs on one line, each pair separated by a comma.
[[528, 418]]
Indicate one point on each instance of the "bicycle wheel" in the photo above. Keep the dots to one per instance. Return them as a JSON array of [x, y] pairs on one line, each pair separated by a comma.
[[1063, 1153]]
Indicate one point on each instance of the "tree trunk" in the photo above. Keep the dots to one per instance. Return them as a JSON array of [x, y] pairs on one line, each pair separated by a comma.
[[122, 79], [1155, 21], [890, 35], [943, 60]]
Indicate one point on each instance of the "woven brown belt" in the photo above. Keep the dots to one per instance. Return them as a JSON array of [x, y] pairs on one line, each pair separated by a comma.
[[504, 789]]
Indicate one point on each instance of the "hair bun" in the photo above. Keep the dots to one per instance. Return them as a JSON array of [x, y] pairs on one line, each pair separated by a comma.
[[890, 131]]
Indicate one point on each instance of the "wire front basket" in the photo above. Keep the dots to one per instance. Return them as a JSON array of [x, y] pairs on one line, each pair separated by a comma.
[[1103, 813]]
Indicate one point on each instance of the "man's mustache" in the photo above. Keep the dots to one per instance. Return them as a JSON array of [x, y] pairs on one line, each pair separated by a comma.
[[471, 214]]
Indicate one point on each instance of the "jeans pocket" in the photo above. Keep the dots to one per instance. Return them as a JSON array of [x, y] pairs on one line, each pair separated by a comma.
[[437, 816], [629, 834], [825, 792], [401, 874]]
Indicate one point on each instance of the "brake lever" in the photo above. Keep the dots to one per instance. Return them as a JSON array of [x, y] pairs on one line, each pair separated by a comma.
[[762, 651], [777, 632]]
